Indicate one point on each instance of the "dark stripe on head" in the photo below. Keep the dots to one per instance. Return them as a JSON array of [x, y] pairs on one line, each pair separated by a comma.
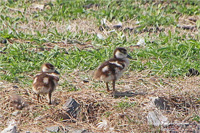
[[50, 66]]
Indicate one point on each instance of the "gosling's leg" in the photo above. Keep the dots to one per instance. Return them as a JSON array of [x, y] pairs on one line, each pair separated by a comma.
[[49, 97], [107, 87], [113, 86], [38, 98]]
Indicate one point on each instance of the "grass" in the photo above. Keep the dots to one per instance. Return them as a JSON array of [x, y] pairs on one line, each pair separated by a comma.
[[196, 118], [64, 33], [182, 52], [125, 104], [183, 55]]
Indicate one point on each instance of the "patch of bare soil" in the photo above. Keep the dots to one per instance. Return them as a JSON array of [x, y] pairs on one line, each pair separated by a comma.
[[100, 112]]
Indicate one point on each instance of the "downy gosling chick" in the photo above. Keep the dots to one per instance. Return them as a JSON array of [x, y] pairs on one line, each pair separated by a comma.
[[113, 69], [46, 81]]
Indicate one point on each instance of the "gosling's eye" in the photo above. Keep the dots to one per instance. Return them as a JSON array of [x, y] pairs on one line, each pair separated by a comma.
[[124, 52]]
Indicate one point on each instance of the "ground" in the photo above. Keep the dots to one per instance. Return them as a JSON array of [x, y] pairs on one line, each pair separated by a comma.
[[130, 113]]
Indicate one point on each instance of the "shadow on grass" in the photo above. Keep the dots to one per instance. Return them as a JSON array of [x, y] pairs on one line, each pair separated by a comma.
[[127, 94]]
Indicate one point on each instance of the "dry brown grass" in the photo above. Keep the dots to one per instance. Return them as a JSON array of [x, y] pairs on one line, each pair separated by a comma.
[[97, 105]]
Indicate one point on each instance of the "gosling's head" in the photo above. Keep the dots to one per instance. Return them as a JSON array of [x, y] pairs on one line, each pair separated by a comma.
[[121, 53], [49, 68]]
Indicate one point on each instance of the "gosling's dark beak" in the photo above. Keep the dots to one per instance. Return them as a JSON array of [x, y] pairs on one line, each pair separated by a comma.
[[56, 72], [128, 56]]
